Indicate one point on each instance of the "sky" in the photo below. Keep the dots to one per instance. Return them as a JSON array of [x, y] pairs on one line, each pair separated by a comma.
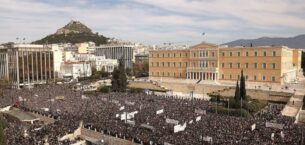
[[155, 21]]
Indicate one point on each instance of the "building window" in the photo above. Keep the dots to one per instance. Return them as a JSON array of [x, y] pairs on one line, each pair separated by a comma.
[[274, 53], [246, 65], [264, 65], [174, 64], [222, 76], [264, 78], [213, 54], [158, 64], [247, 53], [223, 54], [238, 53], [157, 55], [255, 65], [168, 64], [238, 65], [179, 64], [255, 53], [230, 65], [152, 64], [246, 77], [273, 65], [223, 65], [231, 54], [174, 54], [265, 53], [230, 76], [254, 78], [273, 78], [168, 74]]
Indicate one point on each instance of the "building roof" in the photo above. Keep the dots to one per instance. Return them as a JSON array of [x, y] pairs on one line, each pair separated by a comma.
[[204, 45]]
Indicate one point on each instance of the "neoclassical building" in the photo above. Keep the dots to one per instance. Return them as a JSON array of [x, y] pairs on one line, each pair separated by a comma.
[[210, 62]]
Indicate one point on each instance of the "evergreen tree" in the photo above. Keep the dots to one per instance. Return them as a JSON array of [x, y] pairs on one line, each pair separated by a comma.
[[237, 92], [243, 93], [119, 78], [114, 80], [122, 77]]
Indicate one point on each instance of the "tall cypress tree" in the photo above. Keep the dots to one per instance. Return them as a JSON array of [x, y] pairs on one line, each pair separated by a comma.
[[115, 79], [122, 76], [243, 93], [237, 92]]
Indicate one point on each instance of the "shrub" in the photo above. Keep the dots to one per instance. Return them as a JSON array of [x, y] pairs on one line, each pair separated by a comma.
[[104, 89], [136, 90]]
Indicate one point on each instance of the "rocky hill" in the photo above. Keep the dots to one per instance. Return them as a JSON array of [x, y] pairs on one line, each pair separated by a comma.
[[73, 32], [292, 42]]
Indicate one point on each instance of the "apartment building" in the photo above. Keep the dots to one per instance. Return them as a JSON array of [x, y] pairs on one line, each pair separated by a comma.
[[210, 62]]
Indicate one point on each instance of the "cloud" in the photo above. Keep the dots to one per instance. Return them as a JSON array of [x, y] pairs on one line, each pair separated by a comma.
[[155, 21]]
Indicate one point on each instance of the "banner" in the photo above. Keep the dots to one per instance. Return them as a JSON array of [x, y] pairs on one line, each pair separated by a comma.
[[129, 103], [160, 111], [198, 118], [172, 121], [274, 125], [253, 127], [190, 122], [178, 128], [117, 115], [122, 108], [207, 138], [148, 127], [200, 111], [133, 123], [166, 143], [272, 136]]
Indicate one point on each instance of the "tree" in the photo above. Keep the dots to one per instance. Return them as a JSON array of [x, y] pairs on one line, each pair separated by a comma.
[[122, 77], [114, 80], [243, 93], [119, 78], [237, 92]]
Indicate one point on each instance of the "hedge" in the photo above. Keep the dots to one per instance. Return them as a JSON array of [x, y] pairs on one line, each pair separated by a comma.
[[231, 112]]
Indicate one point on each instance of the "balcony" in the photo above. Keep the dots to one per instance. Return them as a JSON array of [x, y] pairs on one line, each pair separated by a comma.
[[202, 69]]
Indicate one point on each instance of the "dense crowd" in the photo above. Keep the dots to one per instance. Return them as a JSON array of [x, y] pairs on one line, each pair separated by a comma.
[[102, 112]]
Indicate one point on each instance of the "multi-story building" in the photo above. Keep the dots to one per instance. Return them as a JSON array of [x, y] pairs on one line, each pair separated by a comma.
[[209, 62], [75, 70], [123, 52], [26, 64]]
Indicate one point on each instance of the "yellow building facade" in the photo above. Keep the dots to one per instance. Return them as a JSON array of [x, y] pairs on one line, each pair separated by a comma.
[[210, 62]]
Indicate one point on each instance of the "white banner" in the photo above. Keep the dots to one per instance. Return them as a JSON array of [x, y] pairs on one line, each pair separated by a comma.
[[198, 118], [207, 138], [122, 108], [178, 128], [172, 121], [166, 143], [190, 122], [131, 122], [129, 103], [160, 111], [272, 136], [274, 125], [148, 127], [253, 127], [200, 111]]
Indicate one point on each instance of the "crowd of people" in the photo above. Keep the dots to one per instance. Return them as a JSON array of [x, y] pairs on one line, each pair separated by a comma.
[[104, 113]]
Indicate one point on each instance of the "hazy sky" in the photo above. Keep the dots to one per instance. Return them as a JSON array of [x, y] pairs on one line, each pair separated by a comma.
[[155, 21]]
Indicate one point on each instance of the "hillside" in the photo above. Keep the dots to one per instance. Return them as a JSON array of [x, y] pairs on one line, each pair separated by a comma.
[[292, 42], [73, 32]]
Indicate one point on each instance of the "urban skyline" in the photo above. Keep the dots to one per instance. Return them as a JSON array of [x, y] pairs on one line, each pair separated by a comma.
[[155, 22]]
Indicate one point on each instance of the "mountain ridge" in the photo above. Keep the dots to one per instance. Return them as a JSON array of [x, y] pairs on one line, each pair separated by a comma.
[[292, 42]]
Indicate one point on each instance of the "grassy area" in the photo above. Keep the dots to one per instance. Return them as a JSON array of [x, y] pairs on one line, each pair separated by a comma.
[[231, 112], [251, 106]]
